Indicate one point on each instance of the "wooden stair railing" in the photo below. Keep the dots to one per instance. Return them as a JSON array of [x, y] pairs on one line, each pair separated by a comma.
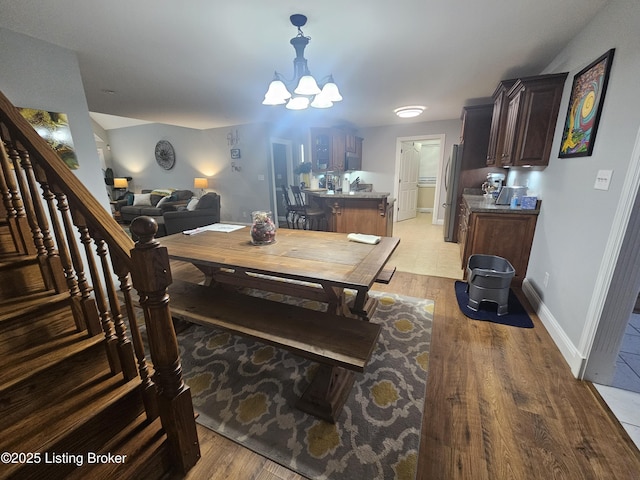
[[81, 250]]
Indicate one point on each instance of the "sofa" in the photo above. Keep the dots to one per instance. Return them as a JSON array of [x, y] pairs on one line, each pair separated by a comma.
[[204, 211], [152, 203]]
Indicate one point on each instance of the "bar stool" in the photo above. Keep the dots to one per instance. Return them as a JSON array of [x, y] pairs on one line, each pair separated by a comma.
[[313, 216], [293, 211]]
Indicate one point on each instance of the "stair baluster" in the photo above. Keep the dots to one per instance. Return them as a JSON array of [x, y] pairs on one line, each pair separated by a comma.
[[36, 232], [50, 262], [149, 393], [17, 216], [125, 349], [84, 306], [111, 342]]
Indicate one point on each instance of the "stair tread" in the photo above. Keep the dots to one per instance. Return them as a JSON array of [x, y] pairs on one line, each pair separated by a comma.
[[16, 261], [29, 362], [142, 442], [61, 418], [34, 302]]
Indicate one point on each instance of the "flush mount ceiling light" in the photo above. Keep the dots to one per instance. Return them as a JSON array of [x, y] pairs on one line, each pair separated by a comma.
[[306, 91], [409, 111]]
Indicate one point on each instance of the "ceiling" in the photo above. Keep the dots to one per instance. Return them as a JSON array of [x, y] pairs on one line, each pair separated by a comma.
[[207, 63]]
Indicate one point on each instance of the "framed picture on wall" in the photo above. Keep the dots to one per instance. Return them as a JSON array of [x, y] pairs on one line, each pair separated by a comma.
[[585, 107], [235, 153], [54, 128]]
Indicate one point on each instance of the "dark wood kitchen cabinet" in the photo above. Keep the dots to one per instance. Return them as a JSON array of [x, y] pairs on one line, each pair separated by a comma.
[[497, 230], [498, 123], [476, 125], [329, 147], [532, 112]]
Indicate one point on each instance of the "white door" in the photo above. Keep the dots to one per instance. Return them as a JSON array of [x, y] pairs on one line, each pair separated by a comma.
[[408, 181]]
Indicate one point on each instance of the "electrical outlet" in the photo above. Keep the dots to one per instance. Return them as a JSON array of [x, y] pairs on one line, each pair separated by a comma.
[[545, 282]]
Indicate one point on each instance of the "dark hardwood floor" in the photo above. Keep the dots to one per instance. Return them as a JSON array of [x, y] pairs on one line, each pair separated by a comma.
[[501, 404]]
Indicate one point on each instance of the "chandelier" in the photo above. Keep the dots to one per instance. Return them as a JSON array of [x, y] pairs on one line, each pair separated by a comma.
[[306, 91]]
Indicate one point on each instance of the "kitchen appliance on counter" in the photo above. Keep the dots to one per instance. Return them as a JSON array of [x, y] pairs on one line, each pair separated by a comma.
[[507, 193], [494, 183]]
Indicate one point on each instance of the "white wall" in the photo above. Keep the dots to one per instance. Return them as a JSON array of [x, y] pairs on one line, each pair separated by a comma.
[[576, 220], [40, 75], [199, 153], [379, 150]]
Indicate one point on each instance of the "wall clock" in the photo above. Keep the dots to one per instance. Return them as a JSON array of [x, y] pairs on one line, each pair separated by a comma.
[[165, 156]]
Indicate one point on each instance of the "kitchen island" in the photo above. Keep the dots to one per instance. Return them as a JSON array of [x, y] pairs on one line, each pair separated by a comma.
[[487, 228], [356, 212]]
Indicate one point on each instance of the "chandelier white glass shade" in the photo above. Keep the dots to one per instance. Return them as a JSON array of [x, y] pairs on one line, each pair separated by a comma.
[[306, 91]]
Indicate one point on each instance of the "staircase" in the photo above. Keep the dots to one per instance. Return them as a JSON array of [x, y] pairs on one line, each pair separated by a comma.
[[79, 395]]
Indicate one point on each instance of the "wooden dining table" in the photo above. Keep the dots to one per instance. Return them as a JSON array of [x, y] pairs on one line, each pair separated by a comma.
[[302, 263], [321, 266]]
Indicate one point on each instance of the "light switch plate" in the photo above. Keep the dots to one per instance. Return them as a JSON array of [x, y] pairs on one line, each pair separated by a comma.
[[603, 179]]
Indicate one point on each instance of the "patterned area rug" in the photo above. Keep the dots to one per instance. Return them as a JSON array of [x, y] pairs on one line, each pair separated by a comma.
[[246, 391]]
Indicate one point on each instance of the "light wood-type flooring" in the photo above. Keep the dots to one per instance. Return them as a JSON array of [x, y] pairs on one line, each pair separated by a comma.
[[501, 403]]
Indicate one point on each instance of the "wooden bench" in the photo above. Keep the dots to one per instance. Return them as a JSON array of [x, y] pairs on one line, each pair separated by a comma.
[[340, 345], [385, 275]]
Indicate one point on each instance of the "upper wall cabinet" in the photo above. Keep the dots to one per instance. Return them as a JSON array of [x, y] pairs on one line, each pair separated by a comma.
[[498, 122], [524, 120], [476, 126], [335, 149]]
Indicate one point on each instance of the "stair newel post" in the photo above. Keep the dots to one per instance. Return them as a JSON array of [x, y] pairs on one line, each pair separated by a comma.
[[20, 229], [111, 341], [151, 276], [148, 387], [51, 263]]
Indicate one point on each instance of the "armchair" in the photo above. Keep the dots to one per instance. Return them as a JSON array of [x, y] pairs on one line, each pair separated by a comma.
[[206, 212]]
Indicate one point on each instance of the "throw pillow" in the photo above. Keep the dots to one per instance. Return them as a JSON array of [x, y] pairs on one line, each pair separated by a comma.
[[162, 201], [130, 198], [207, 201], [164, 192], [183, 194], [142, 200], [193, 203]]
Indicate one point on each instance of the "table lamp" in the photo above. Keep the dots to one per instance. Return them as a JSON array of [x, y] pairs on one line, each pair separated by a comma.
[[120, 184], [201, 183]]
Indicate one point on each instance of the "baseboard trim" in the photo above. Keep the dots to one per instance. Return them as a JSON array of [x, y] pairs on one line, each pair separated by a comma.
[[425, 210], [571, 354]]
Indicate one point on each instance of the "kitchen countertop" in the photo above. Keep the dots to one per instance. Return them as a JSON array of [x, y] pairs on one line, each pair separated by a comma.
[[478, 204], [325, 194]]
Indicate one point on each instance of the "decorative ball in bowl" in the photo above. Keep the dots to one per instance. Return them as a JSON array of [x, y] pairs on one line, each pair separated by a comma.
[[263, 230]]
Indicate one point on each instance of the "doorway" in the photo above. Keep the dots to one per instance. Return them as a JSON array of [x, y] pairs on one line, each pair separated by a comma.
[[616, 294], [281, 174], [419, 176]]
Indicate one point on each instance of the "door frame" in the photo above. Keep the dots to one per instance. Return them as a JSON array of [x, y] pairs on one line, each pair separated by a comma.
[[289, 159], [417, 138], [617, 284]]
